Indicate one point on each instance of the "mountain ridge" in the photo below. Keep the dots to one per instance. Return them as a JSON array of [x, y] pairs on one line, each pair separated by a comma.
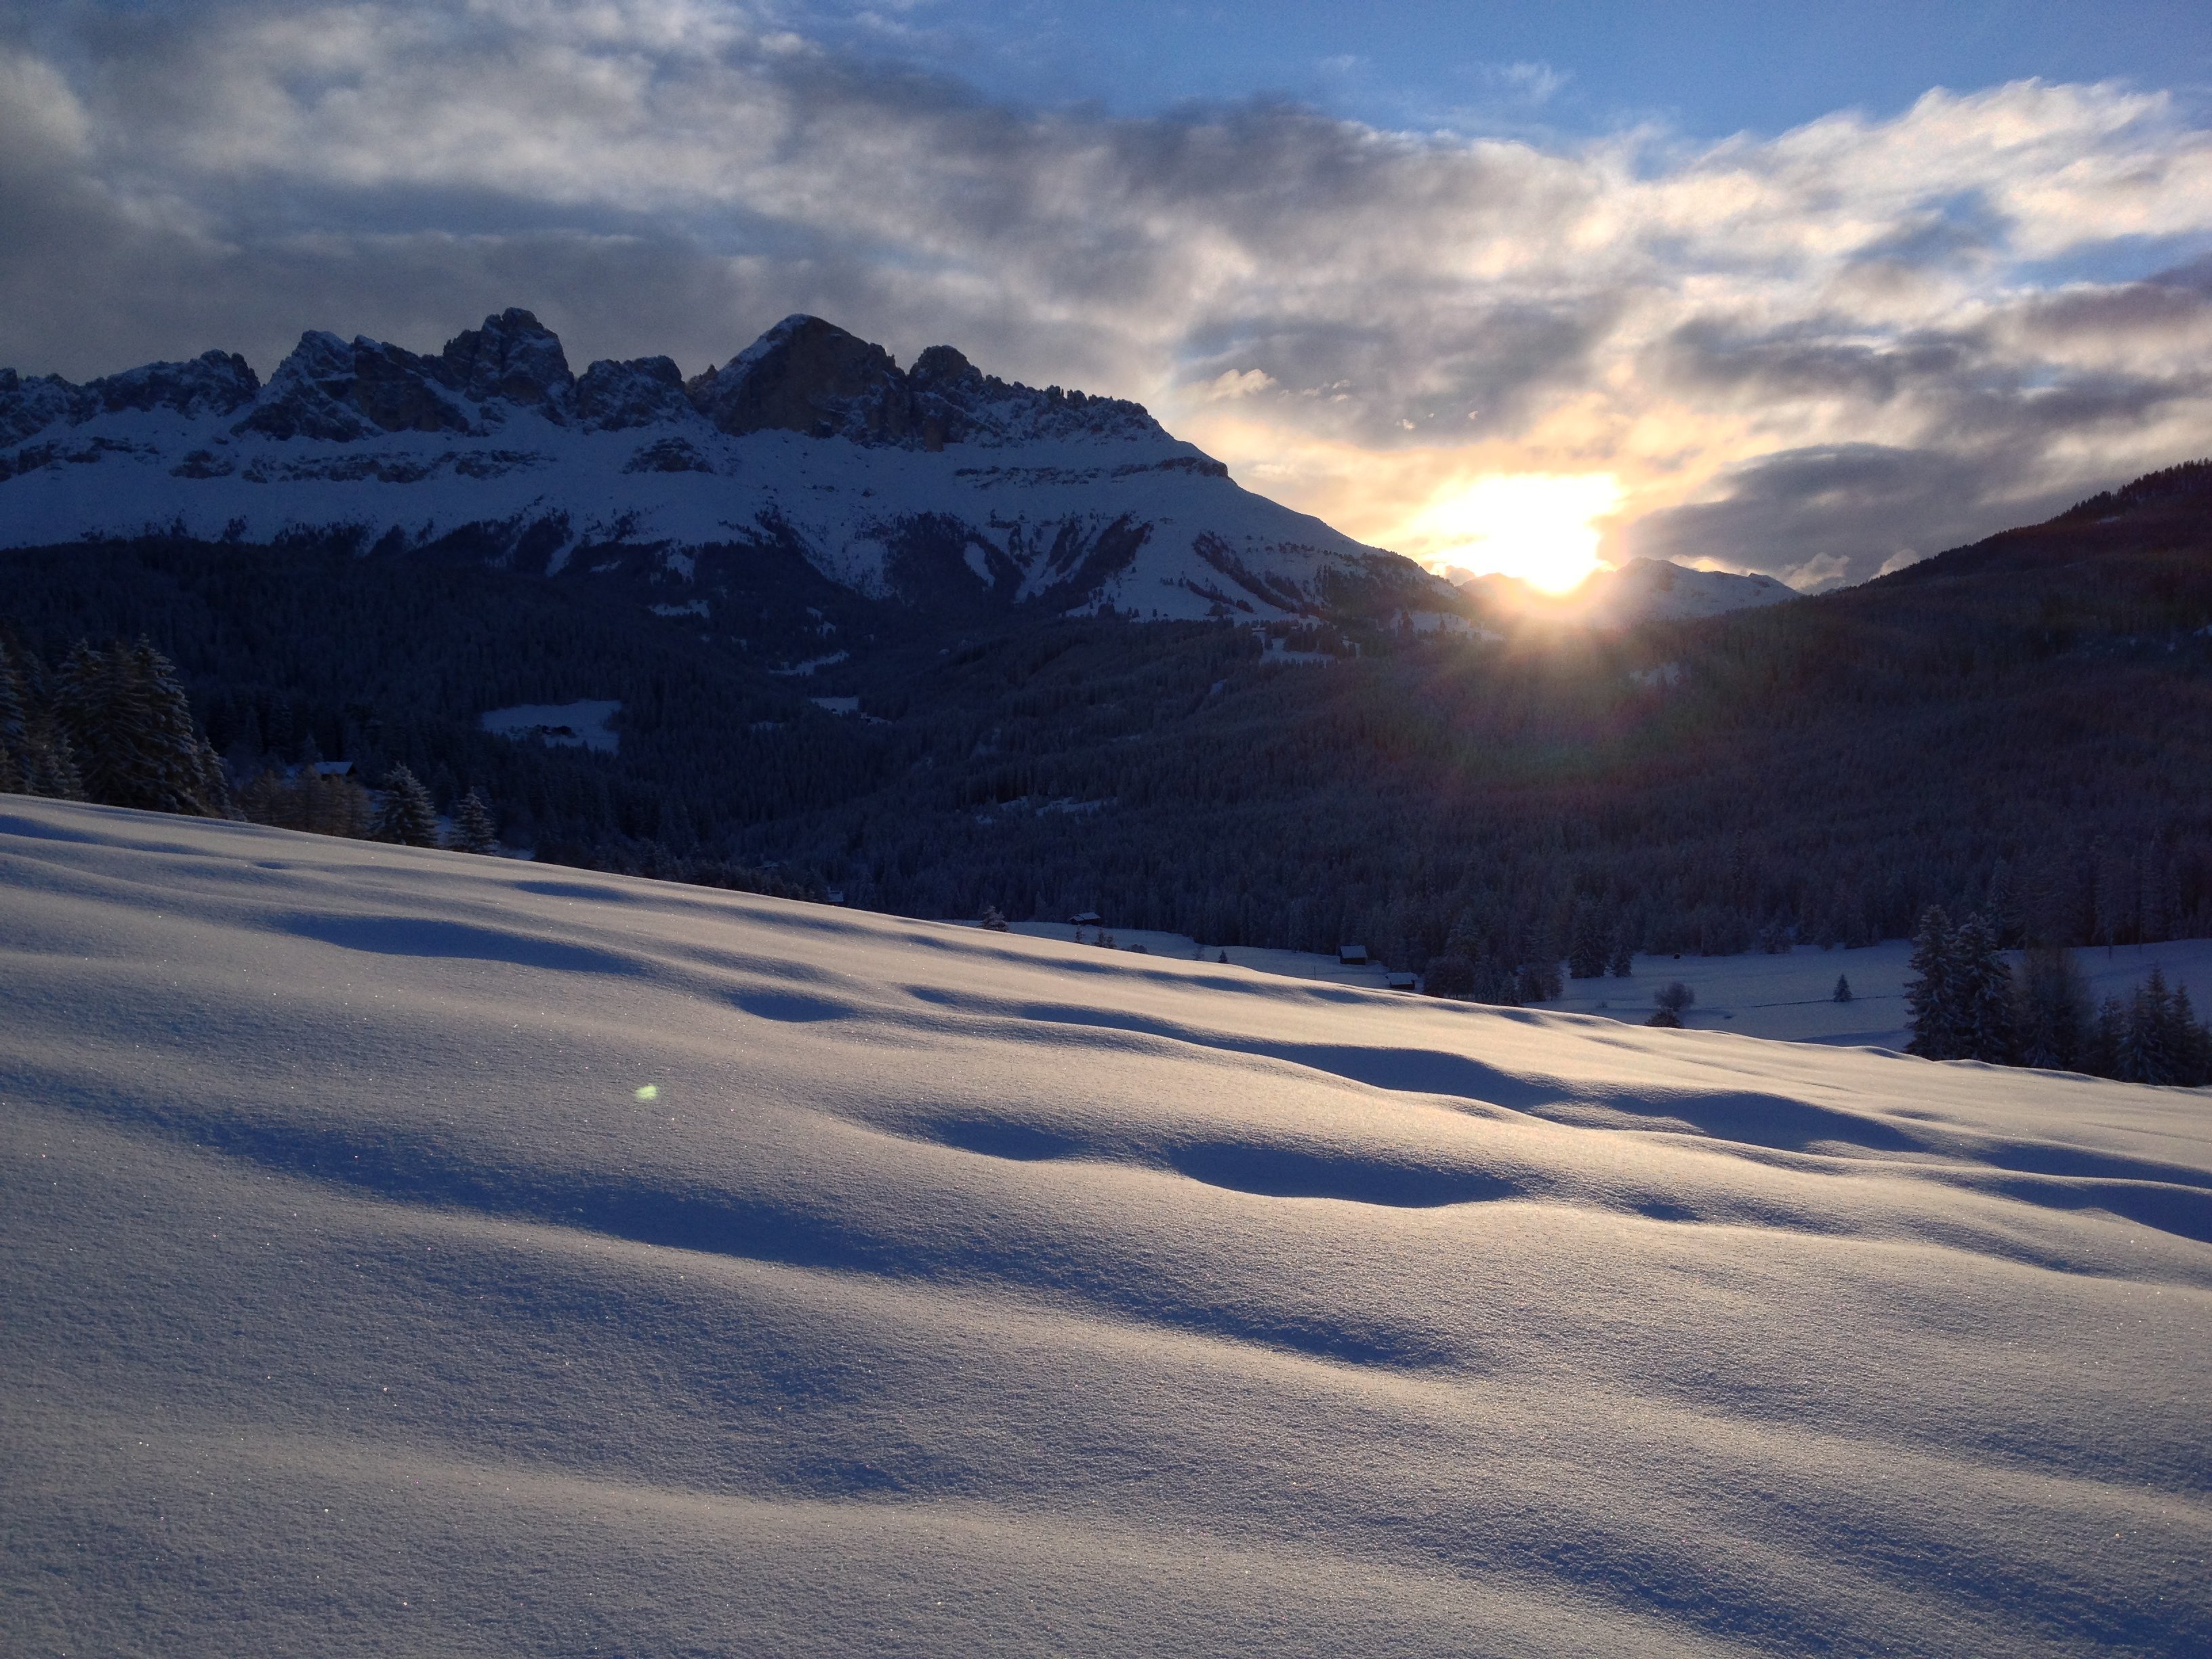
[[811, 438]]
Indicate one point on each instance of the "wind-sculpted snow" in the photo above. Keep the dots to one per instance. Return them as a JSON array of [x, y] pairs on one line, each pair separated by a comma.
[[809, 440], [413, 1253]]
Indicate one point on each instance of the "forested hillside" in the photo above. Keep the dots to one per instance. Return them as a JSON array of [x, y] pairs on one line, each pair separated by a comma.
[[2023, 726]]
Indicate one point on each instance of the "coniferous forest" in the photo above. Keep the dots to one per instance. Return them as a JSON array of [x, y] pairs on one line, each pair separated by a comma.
[[2020, 731]]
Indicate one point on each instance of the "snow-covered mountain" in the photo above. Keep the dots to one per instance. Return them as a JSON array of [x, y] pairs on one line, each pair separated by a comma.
[[413, 1253], [1642, 590], [895, 482]]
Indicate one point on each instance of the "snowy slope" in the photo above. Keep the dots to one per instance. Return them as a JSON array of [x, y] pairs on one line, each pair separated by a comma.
[[810, 438], [409, 1253]]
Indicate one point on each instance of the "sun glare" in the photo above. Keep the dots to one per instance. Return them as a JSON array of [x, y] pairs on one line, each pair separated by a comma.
[[1540, 526]]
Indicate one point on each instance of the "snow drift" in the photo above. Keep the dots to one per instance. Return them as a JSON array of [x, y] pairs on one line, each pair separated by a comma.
[[413, 1253]]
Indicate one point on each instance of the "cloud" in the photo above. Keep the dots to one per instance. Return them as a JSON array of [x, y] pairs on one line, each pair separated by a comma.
[[1232, 383], [1818, 574], [1796, 355]]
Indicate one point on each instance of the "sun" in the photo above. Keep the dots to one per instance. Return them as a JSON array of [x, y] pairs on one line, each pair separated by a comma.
[[1540, 526]]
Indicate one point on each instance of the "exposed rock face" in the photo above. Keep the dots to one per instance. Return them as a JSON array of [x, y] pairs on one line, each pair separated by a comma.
[[806, 376], [330, 389], [515, 357], [643, 392], [32, 405], [215, 382], [803, 375]]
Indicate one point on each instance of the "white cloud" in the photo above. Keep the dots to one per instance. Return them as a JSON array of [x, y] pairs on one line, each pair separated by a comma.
[[1234, 383], [1820, 572]]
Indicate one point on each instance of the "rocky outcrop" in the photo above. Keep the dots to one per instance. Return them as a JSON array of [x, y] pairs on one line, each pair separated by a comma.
[[643, 392], [803, 375], [32, 405], [214, 383], [330, 389], [806, 376], [515, 357]]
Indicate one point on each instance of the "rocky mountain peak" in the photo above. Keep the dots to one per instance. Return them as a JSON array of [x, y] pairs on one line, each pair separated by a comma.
[[940, 368], [332, 389], [513, 357], [806, 376], [642, 392], [803, 376], [215, 382]]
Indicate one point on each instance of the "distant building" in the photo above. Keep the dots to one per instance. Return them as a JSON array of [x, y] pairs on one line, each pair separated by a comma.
[[1352, 956], [835, 894], [1401, 981], [1086, 918]]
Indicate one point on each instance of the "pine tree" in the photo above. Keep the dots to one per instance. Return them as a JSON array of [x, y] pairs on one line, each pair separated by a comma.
[[1586, 952], [474, 831], [1931, 999], [1842, 993], [405, 814], [130, 725], [1622, 964], [2147, 1045], [2051, 1010], [1448, 976], [15, 724], [2108, 1035], [1981, 987], [2193, 1043]]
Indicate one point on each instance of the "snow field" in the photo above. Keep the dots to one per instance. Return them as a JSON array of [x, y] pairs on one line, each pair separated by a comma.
[[412, 1253]]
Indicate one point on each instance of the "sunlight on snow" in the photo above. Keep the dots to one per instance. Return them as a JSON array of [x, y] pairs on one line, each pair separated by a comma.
[[1539, 527]]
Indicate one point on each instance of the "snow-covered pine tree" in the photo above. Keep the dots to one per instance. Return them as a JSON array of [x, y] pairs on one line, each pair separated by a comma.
[[473, 829], [1931, 1000], [405, 814], [1842, 992]]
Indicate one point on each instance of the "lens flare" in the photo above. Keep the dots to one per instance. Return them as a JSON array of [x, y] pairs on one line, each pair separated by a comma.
[[1540, 526], [651, 1091]]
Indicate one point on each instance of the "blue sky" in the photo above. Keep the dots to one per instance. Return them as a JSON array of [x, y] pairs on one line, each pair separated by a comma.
[[1812, 291], [1705, 71]]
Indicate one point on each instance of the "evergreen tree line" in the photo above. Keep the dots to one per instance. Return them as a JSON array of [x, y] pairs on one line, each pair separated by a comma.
[[1964, 1003], [1817, 773], [114, 726]]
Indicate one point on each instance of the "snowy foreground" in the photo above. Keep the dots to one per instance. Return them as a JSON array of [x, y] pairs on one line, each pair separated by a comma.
[[413, 1254]]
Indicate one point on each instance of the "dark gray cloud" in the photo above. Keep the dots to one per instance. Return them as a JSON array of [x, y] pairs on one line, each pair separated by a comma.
[[1844, 513]]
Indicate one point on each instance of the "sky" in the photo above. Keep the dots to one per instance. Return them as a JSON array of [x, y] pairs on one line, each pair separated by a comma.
[[1812, 291]]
